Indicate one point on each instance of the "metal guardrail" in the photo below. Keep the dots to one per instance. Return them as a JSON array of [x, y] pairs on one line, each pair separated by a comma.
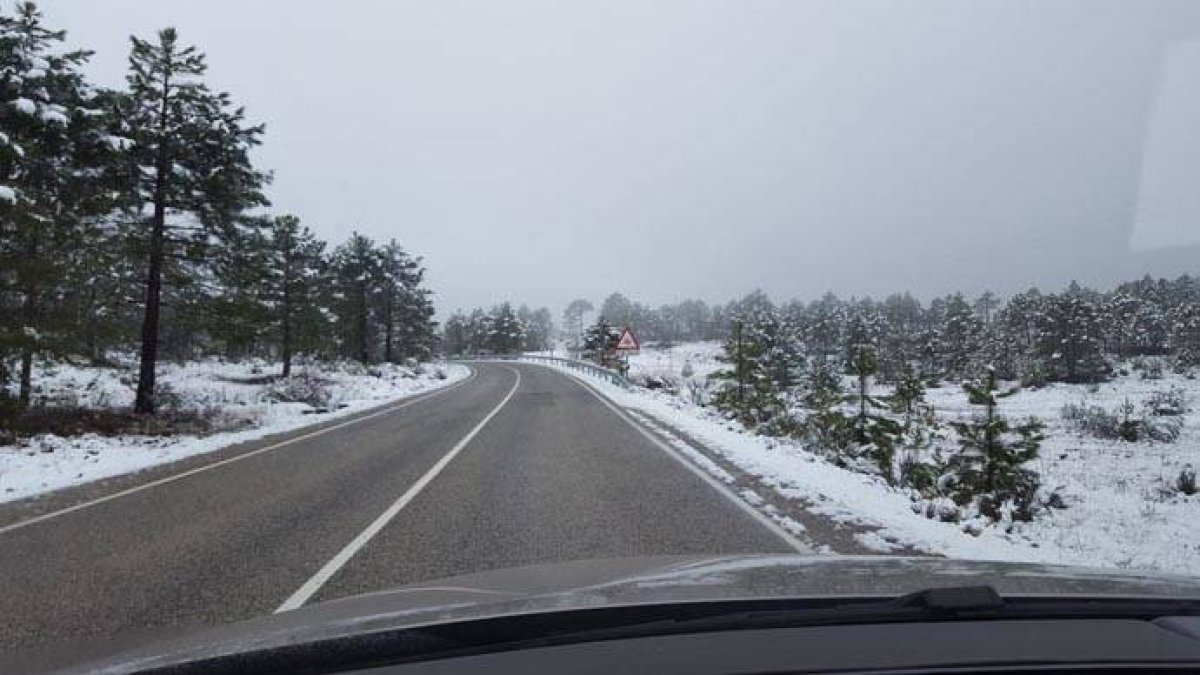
[[574, 364]]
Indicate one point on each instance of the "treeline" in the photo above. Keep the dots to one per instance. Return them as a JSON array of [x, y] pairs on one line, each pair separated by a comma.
[[1075, 335], [500, 330], [134, 219], [686, 321]]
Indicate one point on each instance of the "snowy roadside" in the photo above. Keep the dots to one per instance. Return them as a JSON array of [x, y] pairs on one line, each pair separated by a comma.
[[1116, 517], [48, 462]]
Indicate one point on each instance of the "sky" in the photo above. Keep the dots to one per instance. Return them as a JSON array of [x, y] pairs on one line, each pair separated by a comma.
[[543, 151]]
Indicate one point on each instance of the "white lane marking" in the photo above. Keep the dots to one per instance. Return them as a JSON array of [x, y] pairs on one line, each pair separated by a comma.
[[191, 472], [717, 485], [323, 575]]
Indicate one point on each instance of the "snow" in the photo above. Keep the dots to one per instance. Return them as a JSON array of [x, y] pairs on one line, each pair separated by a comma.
[[7, 194], [119, 143], [25, 105], [55, 116], [1117, 514], [48, 462]]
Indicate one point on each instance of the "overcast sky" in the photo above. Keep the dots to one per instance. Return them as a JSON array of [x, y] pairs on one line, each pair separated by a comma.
[[541, 151]]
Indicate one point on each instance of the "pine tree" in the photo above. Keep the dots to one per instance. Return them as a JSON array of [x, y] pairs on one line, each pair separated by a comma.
[[356, 269], [405, 310], [507, 332], [52, 184], [455, 335], [917, 433], [875, 434], [990, 463], [1069, 337], [294, 271], [825, 425], [747, 392], [961, 337], [190, 171], [600, 342]]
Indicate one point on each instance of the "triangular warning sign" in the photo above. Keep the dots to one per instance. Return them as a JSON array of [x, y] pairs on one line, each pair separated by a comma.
[[627, 342]]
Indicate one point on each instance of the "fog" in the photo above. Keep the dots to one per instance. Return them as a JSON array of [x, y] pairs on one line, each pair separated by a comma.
[[542, 151]]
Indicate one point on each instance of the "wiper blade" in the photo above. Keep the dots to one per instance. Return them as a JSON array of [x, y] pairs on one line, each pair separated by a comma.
[[968, 603]]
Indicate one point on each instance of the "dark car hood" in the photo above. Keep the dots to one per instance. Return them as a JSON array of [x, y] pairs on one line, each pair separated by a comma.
[[615, 582]]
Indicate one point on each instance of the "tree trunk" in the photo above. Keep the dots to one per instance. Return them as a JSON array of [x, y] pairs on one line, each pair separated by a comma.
[[26, 376], [144, 399], [144, 402], [29, 319], [389, 329], [364, 325], [286, 346]]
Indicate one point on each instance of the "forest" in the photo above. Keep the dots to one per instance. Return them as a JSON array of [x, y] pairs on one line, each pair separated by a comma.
[[134, 221]]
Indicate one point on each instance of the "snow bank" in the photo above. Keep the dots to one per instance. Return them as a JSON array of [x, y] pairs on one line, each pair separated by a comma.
[[48, 462]]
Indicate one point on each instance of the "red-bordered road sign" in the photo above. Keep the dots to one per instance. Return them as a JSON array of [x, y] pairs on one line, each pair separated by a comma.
[[628, 341]]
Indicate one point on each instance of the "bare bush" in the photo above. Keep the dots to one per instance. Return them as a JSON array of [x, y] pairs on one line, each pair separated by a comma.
[[301, 388]]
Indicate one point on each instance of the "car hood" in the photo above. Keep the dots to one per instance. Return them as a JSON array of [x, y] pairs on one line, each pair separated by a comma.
[[628, 581]]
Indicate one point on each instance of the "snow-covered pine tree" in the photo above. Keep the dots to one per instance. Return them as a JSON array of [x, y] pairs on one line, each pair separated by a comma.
[[825, 425], [1185, 331], [918, 432], [190, 171], [294, 276], [454, 335], [874, 433], [1070, 336], [600, 342], [899, 343], [990, 464], [52, 184], [507, 333], [356, 268], [822, 330], [745, 391], [961, 337], [403, 306]]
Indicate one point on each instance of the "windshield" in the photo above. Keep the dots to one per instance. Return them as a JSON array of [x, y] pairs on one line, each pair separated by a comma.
[[301, 301]]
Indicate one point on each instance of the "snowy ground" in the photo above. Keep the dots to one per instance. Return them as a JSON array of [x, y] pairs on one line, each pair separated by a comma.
[[1118, 515], [48, 462]]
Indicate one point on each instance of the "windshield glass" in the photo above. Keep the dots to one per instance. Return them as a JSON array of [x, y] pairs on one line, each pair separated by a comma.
[[301, 301]]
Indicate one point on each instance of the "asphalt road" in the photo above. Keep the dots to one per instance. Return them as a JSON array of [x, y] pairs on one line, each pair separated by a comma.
[[519, 465]]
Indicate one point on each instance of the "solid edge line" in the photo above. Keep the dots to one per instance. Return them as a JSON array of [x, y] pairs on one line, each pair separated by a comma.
[[314, 584], [404, 403], [762, 518]]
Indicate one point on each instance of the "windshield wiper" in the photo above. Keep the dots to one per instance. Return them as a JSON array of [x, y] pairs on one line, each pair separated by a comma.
[[967, 603]]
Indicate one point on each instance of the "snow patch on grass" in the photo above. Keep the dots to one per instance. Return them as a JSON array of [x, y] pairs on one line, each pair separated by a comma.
[[238, 392]]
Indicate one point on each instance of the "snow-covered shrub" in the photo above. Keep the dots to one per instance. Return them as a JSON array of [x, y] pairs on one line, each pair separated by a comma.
[[697, 391], [1090, 419], [781, 425], [166, 398], [687, 370], [657, 383], [301, 388], [938, 508], [1167, 403], [1124, 424]]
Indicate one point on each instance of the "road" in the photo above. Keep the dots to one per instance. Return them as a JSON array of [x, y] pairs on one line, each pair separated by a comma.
[[519, 465]]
